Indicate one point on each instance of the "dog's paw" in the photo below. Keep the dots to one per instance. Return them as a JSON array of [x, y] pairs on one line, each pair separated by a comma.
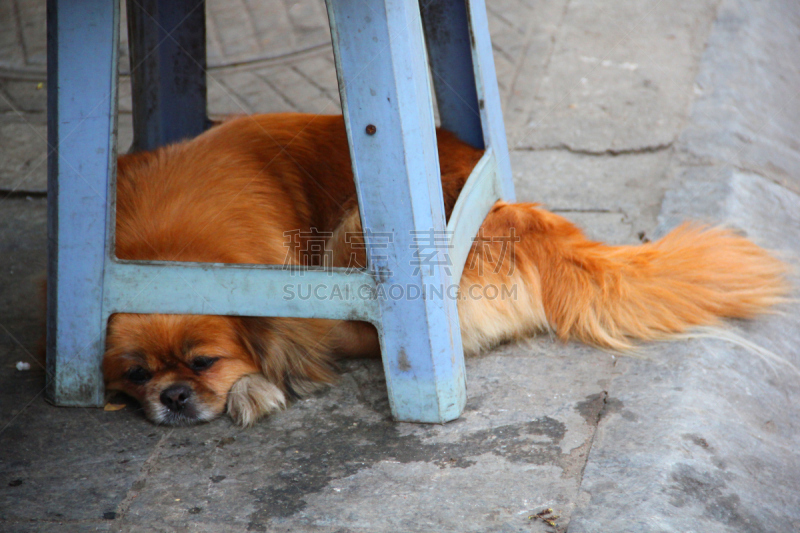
[[252, 397]]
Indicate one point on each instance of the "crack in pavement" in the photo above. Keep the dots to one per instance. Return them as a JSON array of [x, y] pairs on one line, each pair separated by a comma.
[[609, 152], [593, 409], [141, 481]]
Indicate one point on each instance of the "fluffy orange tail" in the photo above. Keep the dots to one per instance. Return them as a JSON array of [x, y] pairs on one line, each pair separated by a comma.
[[553, 278]]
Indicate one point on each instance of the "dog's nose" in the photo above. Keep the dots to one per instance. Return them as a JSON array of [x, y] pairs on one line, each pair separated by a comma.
[[176, 396]]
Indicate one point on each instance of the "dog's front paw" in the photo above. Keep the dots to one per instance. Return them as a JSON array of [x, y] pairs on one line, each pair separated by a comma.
[[252, 397]]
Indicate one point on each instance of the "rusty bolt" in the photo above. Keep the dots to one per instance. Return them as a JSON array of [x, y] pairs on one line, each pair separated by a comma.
[[371, 129]]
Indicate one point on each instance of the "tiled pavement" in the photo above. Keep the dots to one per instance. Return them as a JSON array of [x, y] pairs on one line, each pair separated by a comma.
[[263, 56]]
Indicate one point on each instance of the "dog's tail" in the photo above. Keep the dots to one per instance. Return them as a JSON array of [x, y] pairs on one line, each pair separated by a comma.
[[531, 270]]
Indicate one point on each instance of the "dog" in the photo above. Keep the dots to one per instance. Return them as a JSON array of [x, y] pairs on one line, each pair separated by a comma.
[[232, 194]]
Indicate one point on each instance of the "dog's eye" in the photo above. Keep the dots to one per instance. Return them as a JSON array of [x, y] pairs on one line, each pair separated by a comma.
[[138, 375], [202, 362]]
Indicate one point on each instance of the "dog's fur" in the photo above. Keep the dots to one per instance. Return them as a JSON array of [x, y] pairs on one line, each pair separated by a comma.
[[230, 196]]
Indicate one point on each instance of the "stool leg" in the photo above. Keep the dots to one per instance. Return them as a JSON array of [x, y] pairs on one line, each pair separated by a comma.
[[167, 41], [384, 84], [82, 105], [447, 36], [460, 48]]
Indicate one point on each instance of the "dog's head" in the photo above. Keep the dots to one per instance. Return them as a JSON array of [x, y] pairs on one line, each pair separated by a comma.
[[185, 369], [180, 368]]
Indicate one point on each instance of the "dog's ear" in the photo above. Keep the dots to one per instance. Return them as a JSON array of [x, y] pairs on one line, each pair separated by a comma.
[[295, 354], [253, 334]]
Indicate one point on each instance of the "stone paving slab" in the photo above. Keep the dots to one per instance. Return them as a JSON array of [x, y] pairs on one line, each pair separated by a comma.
[[710, 444], [617, 78], [586, 189], [23, 45], [332, 461], [24, 165], [735, 121]]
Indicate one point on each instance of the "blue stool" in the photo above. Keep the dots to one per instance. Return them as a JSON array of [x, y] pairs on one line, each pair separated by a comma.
[[382, 67]]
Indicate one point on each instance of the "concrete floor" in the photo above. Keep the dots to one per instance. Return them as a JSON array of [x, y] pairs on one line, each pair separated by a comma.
[[626, 116]]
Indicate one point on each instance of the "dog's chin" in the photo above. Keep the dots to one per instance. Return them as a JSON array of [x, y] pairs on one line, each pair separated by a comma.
[[188, 416]]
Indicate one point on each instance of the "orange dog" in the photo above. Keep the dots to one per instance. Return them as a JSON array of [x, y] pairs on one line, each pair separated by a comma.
[[230, 196]]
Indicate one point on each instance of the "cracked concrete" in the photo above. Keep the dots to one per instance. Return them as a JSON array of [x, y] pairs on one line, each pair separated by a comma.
[[608, 152], [626, 117]]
